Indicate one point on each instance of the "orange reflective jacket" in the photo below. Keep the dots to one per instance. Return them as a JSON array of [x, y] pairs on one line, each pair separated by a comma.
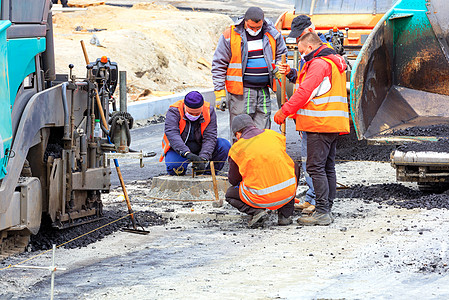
[[298, 82], [234, 73], [268, 173], [182, 123], [328, 112]]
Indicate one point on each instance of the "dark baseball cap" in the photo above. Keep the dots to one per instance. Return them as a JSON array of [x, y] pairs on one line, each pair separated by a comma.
[[240, 122], [254, 13], [299, 23]]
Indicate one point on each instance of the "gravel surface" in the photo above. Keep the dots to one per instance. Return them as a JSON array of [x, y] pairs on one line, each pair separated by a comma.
[[48, 236], [442, 145], [397, 195], [383, 245], [440, 130], [350, 148]]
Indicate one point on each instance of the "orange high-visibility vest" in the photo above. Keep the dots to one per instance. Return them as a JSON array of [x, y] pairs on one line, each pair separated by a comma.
[[182, 124], [328, 112], [268, 173], [297, 83], [234, 73]]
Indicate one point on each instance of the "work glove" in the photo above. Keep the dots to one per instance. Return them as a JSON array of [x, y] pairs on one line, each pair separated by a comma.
[[277, 73], [280, 117], [284, 68], [191, 157], [200, 166], [220, 100]]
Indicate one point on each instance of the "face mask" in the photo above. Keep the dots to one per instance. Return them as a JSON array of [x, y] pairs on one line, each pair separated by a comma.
[[252, 33], [192, 118]]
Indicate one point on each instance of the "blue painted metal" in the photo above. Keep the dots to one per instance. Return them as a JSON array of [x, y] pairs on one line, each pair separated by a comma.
[[17, 61], [5, 108], [21, 55]]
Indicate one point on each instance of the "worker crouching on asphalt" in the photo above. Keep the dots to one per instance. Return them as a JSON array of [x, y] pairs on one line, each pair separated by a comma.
[[190, 136], [321, 109], [261, 173]]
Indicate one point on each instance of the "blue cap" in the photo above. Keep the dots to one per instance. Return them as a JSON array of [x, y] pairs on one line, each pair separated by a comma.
[[194, 100]]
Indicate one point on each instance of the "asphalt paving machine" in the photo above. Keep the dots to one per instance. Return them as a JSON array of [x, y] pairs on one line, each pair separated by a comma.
[[51, 144], [400, 81]]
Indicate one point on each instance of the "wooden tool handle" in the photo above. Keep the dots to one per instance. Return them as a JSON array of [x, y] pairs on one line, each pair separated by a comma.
[[283, 88]]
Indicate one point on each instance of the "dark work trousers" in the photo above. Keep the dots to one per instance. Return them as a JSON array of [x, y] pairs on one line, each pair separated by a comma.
[[233, 198], [321, 150]]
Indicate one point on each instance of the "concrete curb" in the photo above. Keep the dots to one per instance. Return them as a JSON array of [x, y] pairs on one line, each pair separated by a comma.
[[141, 110]]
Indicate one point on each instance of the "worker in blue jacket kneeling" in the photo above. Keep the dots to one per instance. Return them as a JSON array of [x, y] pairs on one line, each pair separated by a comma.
[[190, 136]]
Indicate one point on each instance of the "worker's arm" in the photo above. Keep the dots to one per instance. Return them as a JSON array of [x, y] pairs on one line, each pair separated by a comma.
[[172, 131], [209, 136], [234, 175], [293, 75], [220, 62], [316, 72], [281, 48]]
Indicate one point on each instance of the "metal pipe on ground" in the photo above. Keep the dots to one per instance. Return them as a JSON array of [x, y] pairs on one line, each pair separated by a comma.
[[123, 148]]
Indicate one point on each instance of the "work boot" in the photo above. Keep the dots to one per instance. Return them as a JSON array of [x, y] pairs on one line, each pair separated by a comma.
[[309, 209], [283, 221], [302, 206], [258, 219], [332, 216], [315, 219]]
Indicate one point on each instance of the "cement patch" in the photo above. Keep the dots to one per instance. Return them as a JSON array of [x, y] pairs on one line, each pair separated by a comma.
[[186, 188]]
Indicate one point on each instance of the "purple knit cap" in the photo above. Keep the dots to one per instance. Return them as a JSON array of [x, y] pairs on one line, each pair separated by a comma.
[[194, 100]]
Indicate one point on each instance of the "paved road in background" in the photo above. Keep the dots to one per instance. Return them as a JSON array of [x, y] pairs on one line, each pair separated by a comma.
[[233, 8]]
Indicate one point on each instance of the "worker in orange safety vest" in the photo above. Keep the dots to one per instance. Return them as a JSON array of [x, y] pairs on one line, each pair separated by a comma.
[[301, 25], [190, 136], [262, 174], [321, 109], [242, 67]]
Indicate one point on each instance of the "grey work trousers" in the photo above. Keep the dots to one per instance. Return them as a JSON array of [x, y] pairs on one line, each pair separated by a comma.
[[255, 102], [321, 150]]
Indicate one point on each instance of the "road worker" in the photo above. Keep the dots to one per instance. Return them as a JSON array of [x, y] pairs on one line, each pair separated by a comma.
[[243, 66], [261, 173], [321, 110], [190, 136], [300, 26]]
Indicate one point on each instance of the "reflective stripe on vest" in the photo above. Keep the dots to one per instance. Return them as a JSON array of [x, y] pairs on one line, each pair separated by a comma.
[[328, 112], [234, 73], [182, 124], [268, 173], [271, 205], [271, 189]]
